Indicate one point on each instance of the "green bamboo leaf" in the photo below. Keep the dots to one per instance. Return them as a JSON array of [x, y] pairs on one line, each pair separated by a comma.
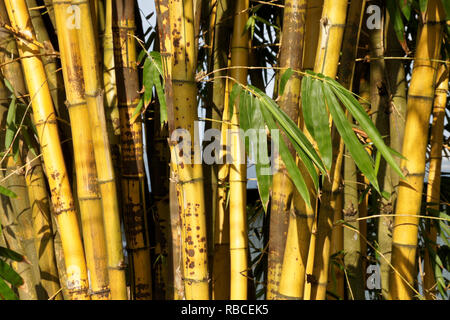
[[245, 110], [6, 293], [12, 255], [264, 21], [157, 61], [397, 22], [264, 178], [423, 5], [446, 5], [290, 128], [29, 144], [366, 124], [301, 144], [7, 192], [9, 86], [250, 118], [7, 273], [161, 96], [148, 81], [357, 151], [307, 103], [137, 110], [250, 25], [291, 166], [320, 122], [405, 7], [152, 75], [284, 79], [11, 128], [235, 91]]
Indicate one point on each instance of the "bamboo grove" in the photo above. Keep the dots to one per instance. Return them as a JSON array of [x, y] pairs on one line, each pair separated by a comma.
[[224, 149]]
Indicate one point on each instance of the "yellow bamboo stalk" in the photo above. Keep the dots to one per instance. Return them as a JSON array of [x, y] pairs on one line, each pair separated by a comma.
[[105, 169], [109, 76], [221, 263], [34, 176], [396, 84], [434, 175], [189, 177], [15, 212], [312, 31], [45, 120], [292, 277], [420, 100], [42, 224], [50, 64], [109, 81], [238, 167], [176, 291], [219, 38], [87, 186], [133, 175], [327, 57], [176, 257], [336, 284]]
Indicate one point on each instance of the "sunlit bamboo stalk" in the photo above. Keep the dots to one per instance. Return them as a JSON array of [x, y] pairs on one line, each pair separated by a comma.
[[37, 191], [292, 258], [45, 120], [189, 176], [434, 175], [88, 49], [420, 99], [396, 85], [88, 191], [326, 62], [238, 167]]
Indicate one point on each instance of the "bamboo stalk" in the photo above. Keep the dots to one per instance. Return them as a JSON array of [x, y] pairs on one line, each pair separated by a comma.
[[336, 285], [34, 175], [175, 277], [50, 12], [326, 62], [42, 224], [109, 80], [396, 85], [238, 167], [420, 99], [86, 172], [434, 175], [176, 258], [216, 178], [291, 252], [312, 31], [221, 264], [54, 78], [351, 242], [105, 169], [45, 120], [11, 220], [133, 179], [189, 177]]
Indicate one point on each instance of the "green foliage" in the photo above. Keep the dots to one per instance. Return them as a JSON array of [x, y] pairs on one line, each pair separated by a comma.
[[152, 77], [8, 275], [321, 97]]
